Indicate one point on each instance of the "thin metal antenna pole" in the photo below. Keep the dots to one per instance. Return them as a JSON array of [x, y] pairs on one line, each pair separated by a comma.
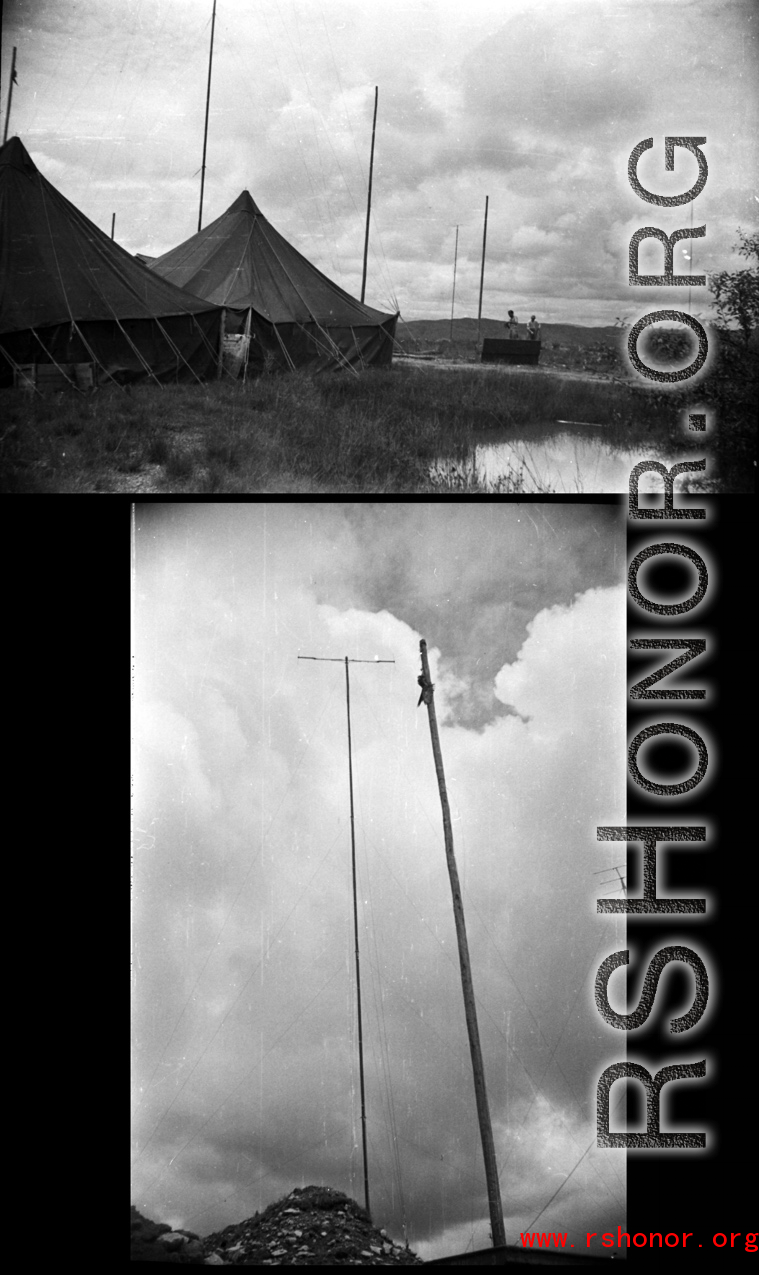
[[10, 96], [205, 132], [113, 224], [482, 272], [498, 1233], [369, 198], [355, 931], [334, 660], [455, 258]]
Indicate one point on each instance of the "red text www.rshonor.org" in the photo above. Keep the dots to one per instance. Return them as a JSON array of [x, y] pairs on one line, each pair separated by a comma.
[[650, 1239]]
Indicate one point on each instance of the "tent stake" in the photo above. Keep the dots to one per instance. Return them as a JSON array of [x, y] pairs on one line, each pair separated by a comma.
[[482, 273], [205, 133], [369, 198], [498, 1233]]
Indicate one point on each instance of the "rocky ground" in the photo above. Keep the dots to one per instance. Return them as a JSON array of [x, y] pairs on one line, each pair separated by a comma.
[[315, 1226]]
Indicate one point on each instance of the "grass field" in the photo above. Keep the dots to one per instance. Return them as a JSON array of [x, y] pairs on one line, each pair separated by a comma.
[[382, 431], [411, 428]]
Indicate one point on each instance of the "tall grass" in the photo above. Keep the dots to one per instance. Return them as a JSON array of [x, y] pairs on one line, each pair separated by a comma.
[[396, 430]]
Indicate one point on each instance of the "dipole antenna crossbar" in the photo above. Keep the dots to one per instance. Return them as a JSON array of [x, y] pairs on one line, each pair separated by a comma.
[[615, 868], [336, 659], [498, 1233]]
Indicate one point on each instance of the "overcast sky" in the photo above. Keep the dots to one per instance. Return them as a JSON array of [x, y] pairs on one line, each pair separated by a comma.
[[245, 1049], [535, 104]]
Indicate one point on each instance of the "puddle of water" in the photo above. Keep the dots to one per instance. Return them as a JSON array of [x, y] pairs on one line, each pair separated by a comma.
[[569, 462]]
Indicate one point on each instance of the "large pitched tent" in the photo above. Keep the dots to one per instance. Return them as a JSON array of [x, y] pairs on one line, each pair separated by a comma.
[[295, 315], [70, 295]]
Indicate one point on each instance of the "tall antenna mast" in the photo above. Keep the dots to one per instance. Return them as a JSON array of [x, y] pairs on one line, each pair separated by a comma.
[[369, 197], [455, 259], [482, 272], [13, 81], [205, 132], [337, 660], [498, 1233]]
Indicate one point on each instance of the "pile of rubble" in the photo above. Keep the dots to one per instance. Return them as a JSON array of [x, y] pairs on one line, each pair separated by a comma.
[[315, 1226], [156, 1242]]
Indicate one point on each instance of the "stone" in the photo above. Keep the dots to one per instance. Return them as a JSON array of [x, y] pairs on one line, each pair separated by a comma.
[[214, 1260], [172, 1240]]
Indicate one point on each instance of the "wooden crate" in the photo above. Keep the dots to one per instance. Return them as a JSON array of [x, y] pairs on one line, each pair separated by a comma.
[[495, 350], [49, 377], [24, 377]]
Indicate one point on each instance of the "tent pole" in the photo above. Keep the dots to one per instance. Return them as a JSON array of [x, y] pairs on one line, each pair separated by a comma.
[[222, 330], [455, 258], [482, 273], [10, 95], [205, 133], [498, 1234], [247, 347], [369, 198]]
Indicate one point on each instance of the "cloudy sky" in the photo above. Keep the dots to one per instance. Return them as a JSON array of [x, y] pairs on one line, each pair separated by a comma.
[[245, 1047], [535, 104]]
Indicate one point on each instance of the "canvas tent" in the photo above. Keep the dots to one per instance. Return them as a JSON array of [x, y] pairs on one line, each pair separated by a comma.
[[69, 295], [295, 315]]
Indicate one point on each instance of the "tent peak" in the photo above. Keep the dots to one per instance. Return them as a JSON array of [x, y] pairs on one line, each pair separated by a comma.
[[244, 203], [15, 154]]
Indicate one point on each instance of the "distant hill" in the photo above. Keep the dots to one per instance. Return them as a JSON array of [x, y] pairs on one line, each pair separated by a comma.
[[466, 330]]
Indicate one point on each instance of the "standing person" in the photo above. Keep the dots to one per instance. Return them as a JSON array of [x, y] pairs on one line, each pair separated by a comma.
[[533, 329], [511, 326]]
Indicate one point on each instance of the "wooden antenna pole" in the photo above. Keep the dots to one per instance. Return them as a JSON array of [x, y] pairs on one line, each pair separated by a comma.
[[205, 133], [10, 96], [334, 660], [455, 258], [482, 272], [483, 1113], [369, 198]]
